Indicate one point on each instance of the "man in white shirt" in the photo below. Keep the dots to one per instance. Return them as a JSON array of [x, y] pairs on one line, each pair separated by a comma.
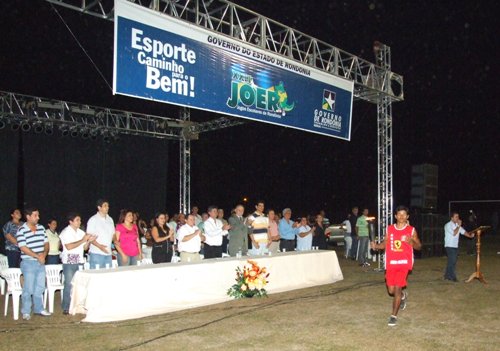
[[190, 238], [74, 241], [452, 231], [304, 236], [103, 227], [214, 230]]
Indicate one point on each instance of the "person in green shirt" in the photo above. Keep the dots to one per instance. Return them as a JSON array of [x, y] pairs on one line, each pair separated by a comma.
[[362, 232]]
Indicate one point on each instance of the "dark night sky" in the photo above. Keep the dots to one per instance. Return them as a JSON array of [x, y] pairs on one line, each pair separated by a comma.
[[447, 52]]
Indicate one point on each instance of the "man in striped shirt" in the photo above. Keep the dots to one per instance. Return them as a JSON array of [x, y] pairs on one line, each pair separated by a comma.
[[34, 245]]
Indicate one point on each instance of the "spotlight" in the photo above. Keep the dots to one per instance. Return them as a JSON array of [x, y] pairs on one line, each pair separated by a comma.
[[73, 131], [48, 129], [64, 130], [93, 134], [38, 127], [85, 133], [25, 126], [105, 135], [15, 125]]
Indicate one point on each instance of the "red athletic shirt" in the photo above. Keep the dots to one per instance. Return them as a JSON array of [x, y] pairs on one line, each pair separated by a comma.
[[398, 253]]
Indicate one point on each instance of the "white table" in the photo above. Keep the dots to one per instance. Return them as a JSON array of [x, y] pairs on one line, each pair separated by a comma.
[[132, 292]]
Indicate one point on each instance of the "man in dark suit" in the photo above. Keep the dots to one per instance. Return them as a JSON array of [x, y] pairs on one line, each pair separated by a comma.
[[238, 234]]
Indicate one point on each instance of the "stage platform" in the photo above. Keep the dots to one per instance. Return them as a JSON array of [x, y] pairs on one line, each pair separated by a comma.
[[123, 293]]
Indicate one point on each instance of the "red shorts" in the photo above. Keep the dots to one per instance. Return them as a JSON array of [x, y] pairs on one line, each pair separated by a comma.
[[396, 277]]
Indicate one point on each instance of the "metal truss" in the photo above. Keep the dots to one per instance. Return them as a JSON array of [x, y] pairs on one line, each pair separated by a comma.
[[384, 148], [185, 167], [29, 111], [373, 82], [219, 123], [370, 80]]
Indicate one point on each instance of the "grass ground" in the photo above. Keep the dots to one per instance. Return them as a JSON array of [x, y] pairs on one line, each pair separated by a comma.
[[348, 315]]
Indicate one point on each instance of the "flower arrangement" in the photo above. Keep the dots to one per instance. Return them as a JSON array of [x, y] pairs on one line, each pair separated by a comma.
[[250, 281]]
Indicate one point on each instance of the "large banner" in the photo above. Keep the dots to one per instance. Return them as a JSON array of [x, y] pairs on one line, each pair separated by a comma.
[[161, 58]]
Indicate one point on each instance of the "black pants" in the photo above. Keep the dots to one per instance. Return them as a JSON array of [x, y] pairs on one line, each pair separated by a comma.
[[212, 251], [161, 253], [288, 245]]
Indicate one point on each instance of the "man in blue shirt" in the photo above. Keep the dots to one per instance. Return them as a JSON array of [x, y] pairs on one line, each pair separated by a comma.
[[34, 245], [288, 230]]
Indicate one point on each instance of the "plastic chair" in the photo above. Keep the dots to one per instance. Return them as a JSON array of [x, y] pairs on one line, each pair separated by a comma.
[[54, 281], [4, 264], [14, 288], [147, 261]]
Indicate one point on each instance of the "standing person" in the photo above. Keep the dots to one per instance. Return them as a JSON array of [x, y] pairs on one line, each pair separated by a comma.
[[304, 236], [347, 236], [238, 234], [214, 230], [163, 238], [225, 238], [326, 221], [127, 241], [190, 238], [34, 246], [288, 229], [197, 218], [452, 231], [74, 241], [9, 231], [399, 242], [362, 232], [103, 226], [274, 234], [353, 218], [319, 237], [259, 224], [54, 242]]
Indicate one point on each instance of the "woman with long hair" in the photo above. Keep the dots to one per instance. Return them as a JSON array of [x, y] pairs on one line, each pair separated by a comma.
[[126, 240], [163, 238]]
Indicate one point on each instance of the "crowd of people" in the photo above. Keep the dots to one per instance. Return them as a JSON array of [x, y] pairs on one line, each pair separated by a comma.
[[29, 246]]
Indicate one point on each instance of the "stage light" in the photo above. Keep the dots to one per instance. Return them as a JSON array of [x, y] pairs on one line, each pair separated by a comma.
[[38, 127], [25, 126], [15, 125], [85, 133], [49, 130], [73, 131], [93, 134], [64, 130]]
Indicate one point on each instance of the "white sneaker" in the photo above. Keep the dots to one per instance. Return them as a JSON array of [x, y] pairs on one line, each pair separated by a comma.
[[44, 313], [26, 317]]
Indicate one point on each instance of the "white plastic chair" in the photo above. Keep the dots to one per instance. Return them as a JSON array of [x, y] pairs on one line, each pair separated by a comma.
[[146, 261], [54, 279], [4, 264], [14, 288]]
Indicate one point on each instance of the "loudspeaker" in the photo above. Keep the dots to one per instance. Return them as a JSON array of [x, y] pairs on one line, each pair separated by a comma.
[[424, 186]]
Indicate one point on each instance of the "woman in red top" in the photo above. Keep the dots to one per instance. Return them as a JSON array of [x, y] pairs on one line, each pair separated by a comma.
[[126, 240]]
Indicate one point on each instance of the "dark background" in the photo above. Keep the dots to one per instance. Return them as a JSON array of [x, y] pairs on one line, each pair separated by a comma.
[[447, 52]]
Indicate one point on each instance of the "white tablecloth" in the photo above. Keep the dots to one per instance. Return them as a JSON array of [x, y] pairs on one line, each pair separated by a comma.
[[132, 292]]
